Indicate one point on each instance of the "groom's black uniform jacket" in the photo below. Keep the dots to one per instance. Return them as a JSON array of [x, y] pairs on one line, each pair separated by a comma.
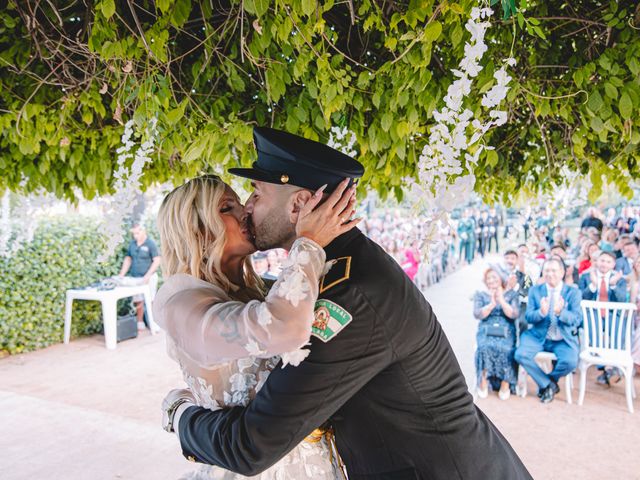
[[388, 383]]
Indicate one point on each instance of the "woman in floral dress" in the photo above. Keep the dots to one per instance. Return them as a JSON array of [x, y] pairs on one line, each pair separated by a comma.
[[221, 329], [496, 337]]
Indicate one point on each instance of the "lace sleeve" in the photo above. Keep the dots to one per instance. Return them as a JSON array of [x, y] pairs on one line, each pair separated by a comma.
[[211, 331]]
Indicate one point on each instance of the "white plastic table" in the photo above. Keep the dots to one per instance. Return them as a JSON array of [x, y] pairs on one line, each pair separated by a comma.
[[109, 300]]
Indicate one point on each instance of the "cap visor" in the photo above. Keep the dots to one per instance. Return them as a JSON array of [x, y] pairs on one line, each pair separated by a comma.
[[252, 174]]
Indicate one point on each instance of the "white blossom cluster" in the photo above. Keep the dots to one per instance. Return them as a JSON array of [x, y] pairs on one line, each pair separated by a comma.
[[445, 166], [127, 184], [343, 140]]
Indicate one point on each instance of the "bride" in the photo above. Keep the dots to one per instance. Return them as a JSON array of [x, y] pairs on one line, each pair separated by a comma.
[[221, 329]]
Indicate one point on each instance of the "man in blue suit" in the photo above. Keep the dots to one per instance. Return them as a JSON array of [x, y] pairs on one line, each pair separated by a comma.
[[602, 283], [553, 311], [630, 252]]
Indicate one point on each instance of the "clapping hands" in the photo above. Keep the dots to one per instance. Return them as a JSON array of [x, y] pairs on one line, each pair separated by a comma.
[[615, 278], [544, 306], [559, 305]]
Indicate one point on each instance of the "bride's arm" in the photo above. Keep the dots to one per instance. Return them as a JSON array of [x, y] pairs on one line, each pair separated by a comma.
[[211, 331]]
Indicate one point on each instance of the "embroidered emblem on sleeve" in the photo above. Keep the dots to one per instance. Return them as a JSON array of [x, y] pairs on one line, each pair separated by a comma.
[[330, 319]]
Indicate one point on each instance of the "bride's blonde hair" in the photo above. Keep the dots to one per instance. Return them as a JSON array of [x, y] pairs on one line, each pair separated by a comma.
[[192, 237]]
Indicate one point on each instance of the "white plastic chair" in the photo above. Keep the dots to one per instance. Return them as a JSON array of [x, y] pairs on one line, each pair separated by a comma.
[[607, 342], [544, 359]]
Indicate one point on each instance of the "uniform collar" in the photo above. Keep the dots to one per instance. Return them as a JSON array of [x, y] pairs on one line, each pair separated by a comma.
[[336, 247]]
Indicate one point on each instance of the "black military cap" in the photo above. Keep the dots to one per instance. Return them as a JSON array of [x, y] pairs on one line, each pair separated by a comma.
[[287, 159]]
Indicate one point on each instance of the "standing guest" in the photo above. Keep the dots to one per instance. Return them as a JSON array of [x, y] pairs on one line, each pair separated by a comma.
[[410, 264], [526, 223], [527, 265], [482, 232], [611, 219], [494, 222], [496, 337], [141, 263], [553, 311], [629, 254], [466, 233], [519, 282], [592, 220]]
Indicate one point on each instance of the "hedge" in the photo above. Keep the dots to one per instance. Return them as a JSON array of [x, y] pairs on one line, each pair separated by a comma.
[[33, 282]]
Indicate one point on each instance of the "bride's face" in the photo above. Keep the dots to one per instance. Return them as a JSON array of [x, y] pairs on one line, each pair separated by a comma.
[[238, 240]]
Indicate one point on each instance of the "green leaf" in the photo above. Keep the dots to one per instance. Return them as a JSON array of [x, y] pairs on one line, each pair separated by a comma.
[[597, 124], [625, 106], [491, 158], [308, 7], [610, 90], [256, 7], [181, 12], [433, 31], [175, 115], [108, 8], [386, 121], [595, 102]]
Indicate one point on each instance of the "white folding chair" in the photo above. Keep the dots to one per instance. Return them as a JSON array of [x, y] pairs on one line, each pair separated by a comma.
[[607, 337], [545, 360]]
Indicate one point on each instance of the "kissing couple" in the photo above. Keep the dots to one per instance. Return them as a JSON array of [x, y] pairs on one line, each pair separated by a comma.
[[337, 370]]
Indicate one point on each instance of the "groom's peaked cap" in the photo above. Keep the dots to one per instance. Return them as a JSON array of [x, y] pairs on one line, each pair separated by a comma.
[[287, 159]]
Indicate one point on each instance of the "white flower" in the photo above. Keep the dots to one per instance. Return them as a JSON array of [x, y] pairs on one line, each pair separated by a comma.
[[253, 348], [327, 266], [471, 66], [238, 382], [264, 315], [295, 357], [500, 117], [294, 287]]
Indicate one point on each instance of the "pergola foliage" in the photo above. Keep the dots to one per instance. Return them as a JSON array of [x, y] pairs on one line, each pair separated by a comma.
[[73, 71]]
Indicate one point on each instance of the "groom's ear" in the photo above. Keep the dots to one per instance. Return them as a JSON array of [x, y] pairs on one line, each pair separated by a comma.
[[298, 200]]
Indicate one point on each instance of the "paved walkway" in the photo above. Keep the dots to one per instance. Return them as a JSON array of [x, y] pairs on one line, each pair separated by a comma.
[[79, 411]]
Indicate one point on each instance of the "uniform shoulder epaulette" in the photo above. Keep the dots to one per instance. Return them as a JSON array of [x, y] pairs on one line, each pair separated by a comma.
[[339, 272]]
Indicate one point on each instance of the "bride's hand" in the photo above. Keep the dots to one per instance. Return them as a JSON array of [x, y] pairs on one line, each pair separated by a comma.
[[331, 219]]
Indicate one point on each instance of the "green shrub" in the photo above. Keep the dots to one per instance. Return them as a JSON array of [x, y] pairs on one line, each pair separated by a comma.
[[33, 282]]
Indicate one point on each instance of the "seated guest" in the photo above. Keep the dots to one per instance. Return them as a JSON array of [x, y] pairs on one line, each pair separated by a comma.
[[496, 337], [587, 256], [609, 237], [553, 312], [629, 254], [571, 276], [603, 283], [634, 297], [620, 242]]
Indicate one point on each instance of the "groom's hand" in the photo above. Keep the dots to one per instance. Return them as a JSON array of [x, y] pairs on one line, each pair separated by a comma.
[[176, 402]]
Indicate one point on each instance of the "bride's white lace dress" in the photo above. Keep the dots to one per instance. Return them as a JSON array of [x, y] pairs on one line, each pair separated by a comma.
[[227, 348]]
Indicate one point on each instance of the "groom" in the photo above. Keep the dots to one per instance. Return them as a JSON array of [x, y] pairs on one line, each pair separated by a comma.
[[381, 371]]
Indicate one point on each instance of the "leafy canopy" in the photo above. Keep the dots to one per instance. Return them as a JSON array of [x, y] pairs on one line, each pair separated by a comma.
[[210, 70]]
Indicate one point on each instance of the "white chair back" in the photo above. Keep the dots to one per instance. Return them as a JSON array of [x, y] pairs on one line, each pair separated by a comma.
[[607, 325]]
